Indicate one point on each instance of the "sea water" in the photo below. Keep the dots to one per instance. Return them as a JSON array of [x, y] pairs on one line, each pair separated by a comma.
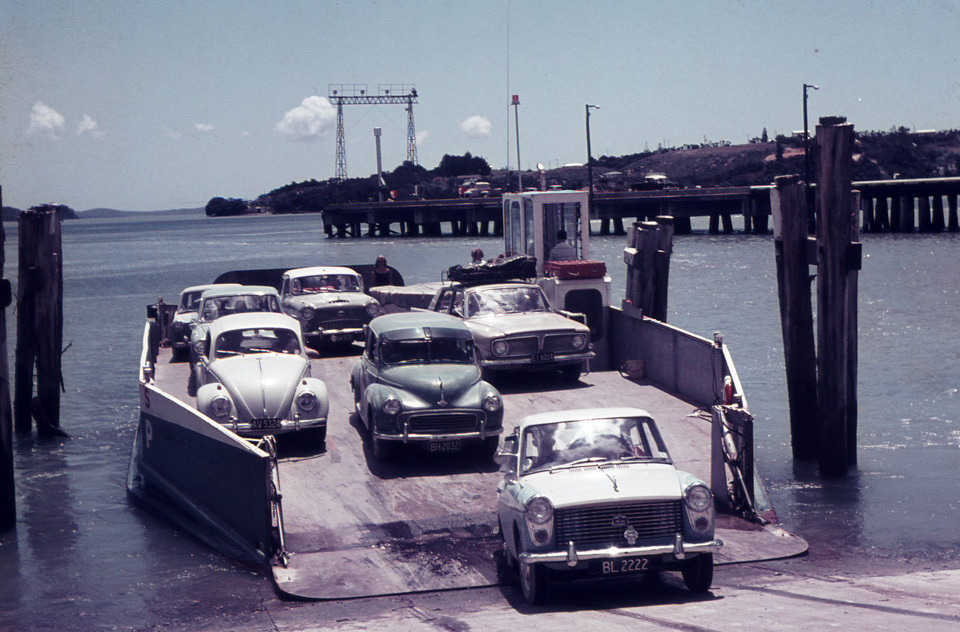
[[83, 557]]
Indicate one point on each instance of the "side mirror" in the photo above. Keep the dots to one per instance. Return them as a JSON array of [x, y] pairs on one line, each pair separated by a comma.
[[507, 451]]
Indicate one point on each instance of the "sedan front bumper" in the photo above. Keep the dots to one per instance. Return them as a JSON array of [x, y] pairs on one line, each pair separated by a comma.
[[571, 557]]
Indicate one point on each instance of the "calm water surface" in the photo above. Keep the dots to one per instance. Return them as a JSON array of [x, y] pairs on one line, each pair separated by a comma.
[[83, 558]]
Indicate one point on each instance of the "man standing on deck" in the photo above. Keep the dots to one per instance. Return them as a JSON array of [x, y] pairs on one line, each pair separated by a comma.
[[562, 251]]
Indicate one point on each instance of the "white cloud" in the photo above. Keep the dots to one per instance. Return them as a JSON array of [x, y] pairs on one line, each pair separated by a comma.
[[422, 136], [476, 126], [314, 117], [203, 127], [89, 126], [45, 121]]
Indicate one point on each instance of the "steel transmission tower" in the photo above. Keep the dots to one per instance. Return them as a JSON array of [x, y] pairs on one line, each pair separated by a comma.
[[357, 94]]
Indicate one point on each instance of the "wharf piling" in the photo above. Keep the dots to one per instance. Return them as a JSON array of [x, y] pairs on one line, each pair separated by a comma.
[[39, 321], [821, 381], [647, 255], [8, 501], [788, 202]]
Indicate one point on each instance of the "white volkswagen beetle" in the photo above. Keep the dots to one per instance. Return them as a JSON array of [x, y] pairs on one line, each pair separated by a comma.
[[253, 376], [594, 493]]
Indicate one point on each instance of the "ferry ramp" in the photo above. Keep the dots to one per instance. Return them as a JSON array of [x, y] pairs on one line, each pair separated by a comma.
[[356, 527]]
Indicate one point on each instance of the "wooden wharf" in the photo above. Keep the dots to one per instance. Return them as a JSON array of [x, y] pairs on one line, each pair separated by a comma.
[[897, 206]]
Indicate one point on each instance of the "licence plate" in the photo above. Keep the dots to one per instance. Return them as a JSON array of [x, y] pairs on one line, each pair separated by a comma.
[[339, 338], [625, 565], [445, 446], [543, 357], [266, 424]]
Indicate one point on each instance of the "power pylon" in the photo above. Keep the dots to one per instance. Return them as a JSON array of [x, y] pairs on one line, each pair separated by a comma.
[[357, 94]]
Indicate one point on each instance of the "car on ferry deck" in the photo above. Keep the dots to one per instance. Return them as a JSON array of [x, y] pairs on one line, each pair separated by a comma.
[[224, 301], [515, 328], [186, 315], [329, 302], [594, 492], [418, 382], [253, 376]]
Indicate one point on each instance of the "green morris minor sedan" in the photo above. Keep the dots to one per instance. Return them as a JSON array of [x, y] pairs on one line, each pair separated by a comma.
[[418, 382]]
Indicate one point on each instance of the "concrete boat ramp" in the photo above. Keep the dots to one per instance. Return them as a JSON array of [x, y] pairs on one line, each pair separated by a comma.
[[355, 527]]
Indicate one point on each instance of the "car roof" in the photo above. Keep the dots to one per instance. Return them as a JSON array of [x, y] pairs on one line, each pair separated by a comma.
[[583, 413], [418, 325], [207, 287], [300, 272], [239, 290], [253, 320], [498, 286]]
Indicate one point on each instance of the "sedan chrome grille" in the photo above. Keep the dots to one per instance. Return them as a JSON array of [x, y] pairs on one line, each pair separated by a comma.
[[523, 346], [560, 343], [340, 324], [441, 423], [601, 526]]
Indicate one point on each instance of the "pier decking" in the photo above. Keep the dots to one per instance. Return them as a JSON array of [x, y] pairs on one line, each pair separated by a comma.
[[924, 205]]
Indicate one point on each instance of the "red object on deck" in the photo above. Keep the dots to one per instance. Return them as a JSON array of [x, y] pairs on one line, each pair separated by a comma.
[[587, 269]]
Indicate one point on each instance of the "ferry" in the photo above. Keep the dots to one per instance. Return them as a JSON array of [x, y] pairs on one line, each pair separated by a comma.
[[330, 521]]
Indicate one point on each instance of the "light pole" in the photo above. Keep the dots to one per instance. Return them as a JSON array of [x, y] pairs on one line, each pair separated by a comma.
[[589, 155], [516, 124], [811, 215]]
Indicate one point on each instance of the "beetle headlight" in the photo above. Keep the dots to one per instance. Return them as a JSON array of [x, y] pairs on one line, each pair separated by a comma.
[[579, 341], [492, 403], [373, 308], [200, 347], [306, 401], [539, 511], [391, 406], [220, 406], [698, 498], [306, 313], [500, 347]]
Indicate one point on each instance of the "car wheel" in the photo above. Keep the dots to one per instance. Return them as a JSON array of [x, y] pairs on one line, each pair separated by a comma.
[[382, 450], [192, 384], [533, 582], [698, 573], [489, 447], [571, 372], [317, 435]]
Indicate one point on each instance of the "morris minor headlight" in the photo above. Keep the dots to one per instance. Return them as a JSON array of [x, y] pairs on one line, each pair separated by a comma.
[[500, 348], [220, 406], [306, 401], [492, 403], [391, 406], [579, 341], [306, 313], [373, 308]]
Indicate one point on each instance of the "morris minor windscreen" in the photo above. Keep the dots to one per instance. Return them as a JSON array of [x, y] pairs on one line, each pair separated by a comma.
[[318, 283], [214, 308], [511, 300], [261, 340], [545, 446], [430, 351]]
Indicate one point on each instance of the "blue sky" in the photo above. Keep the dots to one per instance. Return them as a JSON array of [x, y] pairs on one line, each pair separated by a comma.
[[152, 105]]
